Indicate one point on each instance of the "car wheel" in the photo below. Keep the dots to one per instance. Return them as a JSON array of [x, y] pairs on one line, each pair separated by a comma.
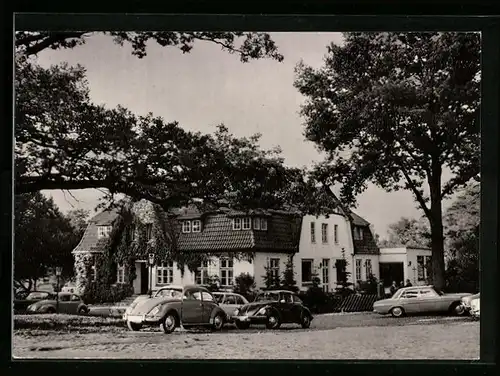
[[134, 326], [242, 325], [273, 321], [169, 323], [83, 311], [218, 322], [397, 312], [457, 309], [305, 321]]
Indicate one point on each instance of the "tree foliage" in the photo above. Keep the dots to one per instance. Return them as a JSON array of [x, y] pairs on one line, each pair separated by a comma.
[[395, 109], [78, 219], [408, 232], [43, 238]]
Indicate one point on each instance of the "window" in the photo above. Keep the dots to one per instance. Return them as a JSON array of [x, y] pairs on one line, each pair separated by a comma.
[[340, 266], [307, 270], [325, 271], [201, 274], [427, 293], [149, 231], [263, 224], [230, 299], [120, 274], [237, 224], [313, 233], [196, 295], [186, 227], [409, 294], [75, 298], [197, 226], [165, 273], [287, 297], [256, 223], [239, 300], [206, 297], [324, 232], [93, 269], [336, 234], [369, 270], [358, 269], [423, 267], [64, 297], [103, 231], [296, 299], [274, 267], [226, 272], [358, 233], [247, 223], [428, 267]]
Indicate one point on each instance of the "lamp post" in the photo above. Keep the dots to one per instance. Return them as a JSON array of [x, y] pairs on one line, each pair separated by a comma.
[[151, 259], [58, 275]]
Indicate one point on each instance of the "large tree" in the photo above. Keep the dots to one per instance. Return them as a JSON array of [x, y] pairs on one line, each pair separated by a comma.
[[64, 141], [396, 109], [407, 232], [43, 238]]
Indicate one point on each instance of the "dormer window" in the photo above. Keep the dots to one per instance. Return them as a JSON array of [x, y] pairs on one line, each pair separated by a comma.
[[237, 224], [247, 223], [263, 224], [196, 225], [186, 227], [358, 233], [103, 231], [256, 223]]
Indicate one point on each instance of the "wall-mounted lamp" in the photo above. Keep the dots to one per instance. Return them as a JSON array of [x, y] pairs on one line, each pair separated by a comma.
[[409, 263]]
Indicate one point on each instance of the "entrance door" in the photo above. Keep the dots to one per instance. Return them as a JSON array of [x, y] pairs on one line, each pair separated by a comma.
[[391, 271], [144, 278]]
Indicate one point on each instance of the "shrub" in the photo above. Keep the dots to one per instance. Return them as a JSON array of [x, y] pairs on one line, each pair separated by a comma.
[[369, 286], [100, 293], [244, 284], [58, 321]]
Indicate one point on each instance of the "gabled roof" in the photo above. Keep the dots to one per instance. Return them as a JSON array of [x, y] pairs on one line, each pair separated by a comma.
[[358, 221]]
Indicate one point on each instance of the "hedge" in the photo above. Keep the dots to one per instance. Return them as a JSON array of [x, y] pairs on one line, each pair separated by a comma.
[[58, 321]]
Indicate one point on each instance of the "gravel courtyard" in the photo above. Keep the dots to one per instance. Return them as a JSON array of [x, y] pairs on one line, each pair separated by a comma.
[[363, 336]]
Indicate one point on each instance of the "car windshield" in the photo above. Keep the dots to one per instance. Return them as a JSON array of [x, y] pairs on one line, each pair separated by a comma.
[[268, 297], [169, 293], [38, 295]]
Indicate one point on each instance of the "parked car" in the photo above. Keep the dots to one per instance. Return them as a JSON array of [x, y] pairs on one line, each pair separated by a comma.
[[229, 302], [273, 308], [475, 307], [193, 306], [167, 291], [418, 299], [466, 301], [23, 301], [67, 303]]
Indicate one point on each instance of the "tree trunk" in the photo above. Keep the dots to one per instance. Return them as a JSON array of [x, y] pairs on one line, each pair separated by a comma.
[[437, 232]]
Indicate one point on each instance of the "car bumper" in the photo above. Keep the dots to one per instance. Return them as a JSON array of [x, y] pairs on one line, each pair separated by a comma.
[[142, 319], [250, 319]]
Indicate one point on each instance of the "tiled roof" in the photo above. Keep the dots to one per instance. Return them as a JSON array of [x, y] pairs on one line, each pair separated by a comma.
[[358, 221]]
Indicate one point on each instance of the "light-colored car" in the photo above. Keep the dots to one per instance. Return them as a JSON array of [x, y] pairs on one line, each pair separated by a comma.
[[466, 300], [418, 299], [167, 291], [475, 307], [193, 306], [67, 303], [229, 302]]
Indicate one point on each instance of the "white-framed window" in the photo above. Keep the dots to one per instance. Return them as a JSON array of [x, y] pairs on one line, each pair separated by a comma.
[[186, 227], [165, 273], [196, 225], [256, 223], [307, 270], [149, 231], [313, 232], [120, 273], [368, 268], [358, 233], [324, 233], [358, 270], [274, 267], [325, 274], [201, 274], [236, 223], [423, 267], [247, 223], [263, 224], [103, 231], [226, 272], [336, 234]]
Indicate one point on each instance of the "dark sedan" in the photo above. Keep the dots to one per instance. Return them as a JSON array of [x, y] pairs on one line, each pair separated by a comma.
[[273, 308], [21, 303]]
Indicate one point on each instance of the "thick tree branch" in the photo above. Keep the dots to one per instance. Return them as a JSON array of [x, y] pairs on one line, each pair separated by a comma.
[[416, 192], [46, 42]]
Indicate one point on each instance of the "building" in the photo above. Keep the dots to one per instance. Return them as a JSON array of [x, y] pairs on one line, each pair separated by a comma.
[[403, 263]]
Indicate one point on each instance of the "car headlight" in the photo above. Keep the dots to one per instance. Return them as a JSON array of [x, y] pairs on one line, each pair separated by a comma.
[[154, 311], [262, 311]]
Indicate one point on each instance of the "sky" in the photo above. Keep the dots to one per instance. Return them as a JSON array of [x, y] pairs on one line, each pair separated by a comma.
[[208, 87]]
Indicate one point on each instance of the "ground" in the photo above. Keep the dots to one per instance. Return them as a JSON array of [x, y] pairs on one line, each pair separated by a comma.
[[356, 336]]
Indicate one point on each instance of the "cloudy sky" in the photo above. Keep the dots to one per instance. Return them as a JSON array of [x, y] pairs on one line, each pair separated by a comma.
[[207, 87]]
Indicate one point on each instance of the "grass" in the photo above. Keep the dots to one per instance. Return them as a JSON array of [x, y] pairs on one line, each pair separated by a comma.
[[64, 322]]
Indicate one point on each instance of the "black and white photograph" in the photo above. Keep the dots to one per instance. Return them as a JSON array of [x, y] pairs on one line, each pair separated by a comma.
[[246, 195]]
